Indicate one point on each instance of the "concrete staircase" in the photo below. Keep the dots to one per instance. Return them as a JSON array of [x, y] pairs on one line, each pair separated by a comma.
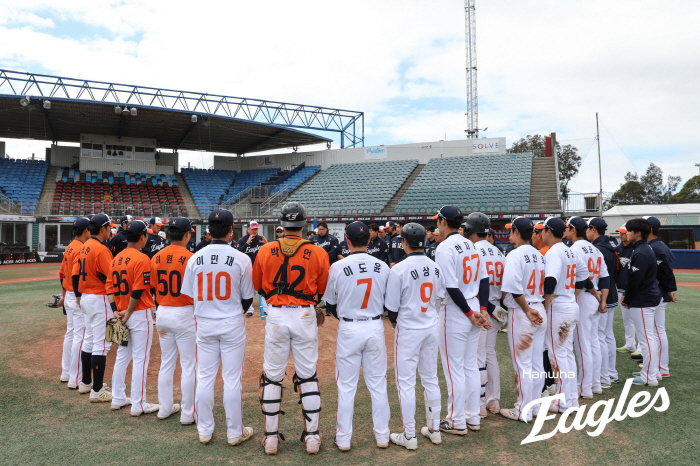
[[390, 208], [187, 198], [544, 192], [47, 192]]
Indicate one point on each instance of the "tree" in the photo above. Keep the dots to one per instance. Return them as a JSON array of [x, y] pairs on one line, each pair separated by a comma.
[[689, 192], [568, 159], [647, 189]]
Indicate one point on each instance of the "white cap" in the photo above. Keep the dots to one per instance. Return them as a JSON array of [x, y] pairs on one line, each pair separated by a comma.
[[253, 224], [381, 228], [436, 232], [315, 230], [161, 234]]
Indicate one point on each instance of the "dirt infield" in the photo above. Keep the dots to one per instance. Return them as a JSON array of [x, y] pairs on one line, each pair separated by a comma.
[[27, 266], [693, 285], [687, 271], [51, 275]]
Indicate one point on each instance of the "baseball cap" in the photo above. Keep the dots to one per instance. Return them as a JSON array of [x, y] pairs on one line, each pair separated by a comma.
[[156, 221], [315, 230], [221, 217], [381, 228], [80, 225], [390, 223], [136, 228], [521, 224], [162, 234], [654, 222], [253, 224], [436, 231], [179, 224], [449, 213], [149, 231], [622, 229], [577, 223], [357, 232], [279, 229], [598, 223], [555, 224], [100, 220], [126, 219], [539, 225]]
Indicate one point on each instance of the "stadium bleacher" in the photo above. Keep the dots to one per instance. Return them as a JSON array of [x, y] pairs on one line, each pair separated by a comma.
[[294, 181], [248, 179], [22, 180], [208, 186], [116, 193], [489, 183], [354, 188]]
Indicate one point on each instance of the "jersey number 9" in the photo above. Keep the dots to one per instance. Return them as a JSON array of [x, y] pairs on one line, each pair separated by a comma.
[[426, 291]]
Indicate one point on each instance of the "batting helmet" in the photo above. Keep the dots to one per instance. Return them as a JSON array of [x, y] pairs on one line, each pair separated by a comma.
[[414, 234], [293, 215], [477, 222]]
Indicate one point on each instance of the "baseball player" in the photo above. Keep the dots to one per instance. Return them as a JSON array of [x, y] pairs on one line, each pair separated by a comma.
[[550, 385], [477, 226], [249, 245], [564, 280], [155, 243], [643, 296], [129, 288], [343, 249], [279, 232], [355, 296], [218, 279], [522, 288], [667, 286], [415, 286], [377, 246], [118, 242], [206, 240], [90, 272], [596, 235], [291, 273], [430, 251], [176, 325], [326, 241], [396, 252], [624, 253], [591, 304], [191, 246], [382, 234], [75, 328], [461, 319]]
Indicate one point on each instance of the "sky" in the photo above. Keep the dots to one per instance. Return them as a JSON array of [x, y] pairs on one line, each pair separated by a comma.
[[543, 66]]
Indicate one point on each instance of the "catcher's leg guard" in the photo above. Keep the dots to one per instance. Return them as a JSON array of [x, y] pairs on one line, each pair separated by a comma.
[[310, 401], [270, 404], [483, 375], [432, 412]]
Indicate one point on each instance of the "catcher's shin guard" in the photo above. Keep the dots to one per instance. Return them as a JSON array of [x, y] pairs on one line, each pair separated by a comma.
[[484, 380], [270, 404], [310, 401], [432, 412]]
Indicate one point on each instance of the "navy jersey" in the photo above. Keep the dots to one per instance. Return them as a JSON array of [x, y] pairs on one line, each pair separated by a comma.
[[118, 242], [664, 263], [624, 253], [250, 250], [609, 251], [202, 244], [642, 288], [396, 254], [154, 244], [377, 248], [329, 243], [343, 249]]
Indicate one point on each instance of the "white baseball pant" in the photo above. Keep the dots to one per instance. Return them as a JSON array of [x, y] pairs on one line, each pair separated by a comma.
[[72, 340], [291, 329], [489, 371], [608, 350], [660, 328], [361, 344], [630, 342], [219, 340], [140, 325], [177, 335], [417, 349], [587, 347], [459, 343], [644, 319], [561, 323], [97, 312]]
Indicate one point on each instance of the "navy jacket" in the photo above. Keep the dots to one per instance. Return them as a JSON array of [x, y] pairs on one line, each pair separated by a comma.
[[203, 244], [154, 244], [343, 249], [192, 247], [624, 253], [608, 249], [378, 249], [642, 288], [430, 252], [396, 252], [664, 275], [250, 250], [329, 243], [118, 242]]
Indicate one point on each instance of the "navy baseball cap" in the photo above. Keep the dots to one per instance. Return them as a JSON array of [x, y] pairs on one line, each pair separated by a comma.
[[521, 224], [654, 222], [80, 225], [598, 223], [136, 228], [577, 223], [357, 232], [492, 232], [221, 217], [390, 223], [179, 224], [101, 220], [126, 219], [555, 224], [449, 213]]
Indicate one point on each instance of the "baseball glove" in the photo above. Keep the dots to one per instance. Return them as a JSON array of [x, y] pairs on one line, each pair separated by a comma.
[[500, 314], [116, 332], [320, 317], [54, 304]]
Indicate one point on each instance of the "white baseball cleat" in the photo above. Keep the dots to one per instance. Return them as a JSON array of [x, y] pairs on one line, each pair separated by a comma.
[[552, 389], [509, 414], [483, 412], [401, 440], [598, 392], [434, 436], [270, 444], [494, 407], [116, 407], [473, 427], [382, 444], [148, 408], [176, 409], [249, 314], [313, 444], [84, 389], [605, 386], [341, 447], [446, 427], [103, 396], [204, 439], [64, 379], [588, 397], [247, 435]]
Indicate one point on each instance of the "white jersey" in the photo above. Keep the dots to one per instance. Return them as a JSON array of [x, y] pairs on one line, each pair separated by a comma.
[[461, 264], [357, 284], [414, 285], [594, 260], [217, 278], [562, 264], [524, 274], [494, 261]]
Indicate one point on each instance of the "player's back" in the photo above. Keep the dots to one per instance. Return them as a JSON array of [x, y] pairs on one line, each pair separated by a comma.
[[413, 288], [130, 271], [92, 264], [494, 261], [217, 278], [168, 269], [561, 264], [358, 284], [524, 274], [593, 259], [460, 261], [69, 257]]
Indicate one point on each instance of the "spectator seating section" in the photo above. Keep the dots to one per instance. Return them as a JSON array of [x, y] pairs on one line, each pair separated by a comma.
[[22, 180], [248, 179], [354, 188], [487, 183], [298, 178], [208, 186], [116, 194]]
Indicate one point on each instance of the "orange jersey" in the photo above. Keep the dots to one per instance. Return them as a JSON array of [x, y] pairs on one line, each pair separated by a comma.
[[66, 272], [544, 250], [92, 265], [130, 271], [306, 272], [167, 270]]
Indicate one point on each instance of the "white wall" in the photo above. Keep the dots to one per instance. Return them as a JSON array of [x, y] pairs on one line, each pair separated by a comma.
[[131, 166], [64, 156], [169, 159]]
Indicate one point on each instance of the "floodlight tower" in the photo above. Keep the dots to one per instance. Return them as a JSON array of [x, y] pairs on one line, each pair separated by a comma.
[[472, 98]]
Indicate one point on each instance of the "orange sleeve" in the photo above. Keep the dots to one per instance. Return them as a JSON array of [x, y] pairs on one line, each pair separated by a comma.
[[109, 286], [62, 271], [322, 279], [258, 270], [104, 261], [142, 274], [76, 263]]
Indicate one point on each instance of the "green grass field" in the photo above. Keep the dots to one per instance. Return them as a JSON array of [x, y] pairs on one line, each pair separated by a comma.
[[44, 423]]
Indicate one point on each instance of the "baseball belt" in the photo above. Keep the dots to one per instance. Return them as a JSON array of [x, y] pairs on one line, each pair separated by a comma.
[[362, 320]]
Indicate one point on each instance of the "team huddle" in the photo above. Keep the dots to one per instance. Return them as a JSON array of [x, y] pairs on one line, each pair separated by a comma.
[[448, 291]]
